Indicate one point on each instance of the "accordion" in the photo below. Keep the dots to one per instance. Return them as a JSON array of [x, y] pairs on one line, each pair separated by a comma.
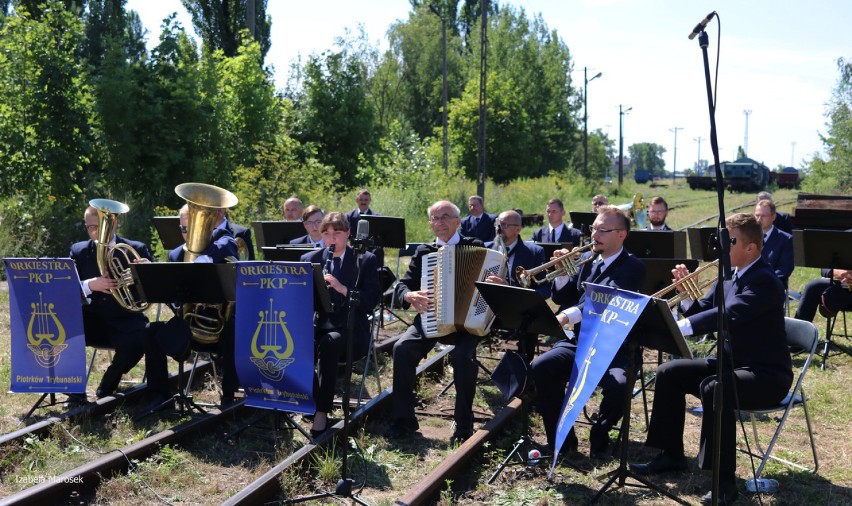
[[454, 302]]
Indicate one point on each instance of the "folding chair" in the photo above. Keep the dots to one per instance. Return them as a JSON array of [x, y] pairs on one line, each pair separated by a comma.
[[408, 251], [802, 337], [371, 354], [830, 323]]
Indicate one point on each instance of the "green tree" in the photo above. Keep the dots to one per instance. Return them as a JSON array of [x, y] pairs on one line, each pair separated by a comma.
[[220, 24], [46, 144], [648, 156], [334, 112], [601, 154], [833, 173]]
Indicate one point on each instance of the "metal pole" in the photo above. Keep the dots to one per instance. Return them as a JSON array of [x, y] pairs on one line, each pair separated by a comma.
[[747, 112], [444, 93], [586, 81], [483, 109], [674, 162]]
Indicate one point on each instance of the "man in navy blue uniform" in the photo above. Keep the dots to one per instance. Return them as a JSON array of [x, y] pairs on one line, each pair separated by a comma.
[[413, 346], [756, 353], [556, 230], [613, 266], [777, 244], [105, 322], [658, 210], [478, 223], [330, 332]]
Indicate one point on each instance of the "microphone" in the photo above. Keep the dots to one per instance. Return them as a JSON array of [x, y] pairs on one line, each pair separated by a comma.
[[328, 267], [362, 236], [702, 25]]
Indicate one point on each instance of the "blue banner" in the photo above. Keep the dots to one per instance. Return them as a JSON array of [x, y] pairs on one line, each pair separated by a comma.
[[608, 316], [274, 345], [45, 309]]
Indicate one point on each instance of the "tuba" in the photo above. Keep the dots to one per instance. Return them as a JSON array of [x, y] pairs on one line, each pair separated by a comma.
[[636, 211], [113, 260], [206, 321]]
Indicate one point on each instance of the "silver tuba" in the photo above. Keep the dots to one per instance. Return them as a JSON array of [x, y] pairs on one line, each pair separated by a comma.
[[206, 321], [636, 211], [113, 261]]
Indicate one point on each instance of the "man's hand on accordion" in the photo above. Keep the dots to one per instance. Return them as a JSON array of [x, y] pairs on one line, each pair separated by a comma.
[[491, 278], [419, 300]]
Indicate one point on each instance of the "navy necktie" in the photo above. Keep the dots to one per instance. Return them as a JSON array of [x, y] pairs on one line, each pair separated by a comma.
[[552, 235], [335, 269], [597, 270]]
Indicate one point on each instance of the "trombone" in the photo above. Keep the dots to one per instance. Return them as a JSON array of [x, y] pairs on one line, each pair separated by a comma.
[[693, 287], [563, 265]]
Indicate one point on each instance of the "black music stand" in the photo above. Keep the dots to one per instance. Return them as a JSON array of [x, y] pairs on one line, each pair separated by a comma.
[[703, 243], [550, 247], [583, 221], [524, 311], [658, 273], [272, 233], [178, 283], [825, 249], [168, 228], [656, 244], [656, 329], [386, 231], [285, 252]]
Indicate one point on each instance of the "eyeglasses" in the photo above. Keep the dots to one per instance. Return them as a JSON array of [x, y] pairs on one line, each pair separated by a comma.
[[313, 223], [506, 225], [183, 229], [605, 230], [442, 218], [657, 212], [91, 228], [596, 204]]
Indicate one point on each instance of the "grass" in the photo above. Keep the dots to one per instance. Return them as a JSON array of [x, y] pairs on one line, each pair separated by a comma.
[[211, 468]]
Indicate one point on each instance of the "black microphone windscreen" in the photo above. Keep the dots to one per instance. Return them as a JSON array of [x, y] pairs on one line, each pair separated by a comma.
[[363, 229]]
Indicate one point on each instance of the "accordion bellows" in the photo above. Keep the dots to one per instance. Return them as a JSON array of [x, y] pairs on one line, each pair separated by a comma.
[[455, 304]]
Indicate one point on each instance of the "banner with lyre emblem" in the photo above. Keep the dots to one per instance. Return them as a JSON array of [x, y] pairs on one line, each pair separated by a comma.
[[45, 310], [608, 316], [274, 345]]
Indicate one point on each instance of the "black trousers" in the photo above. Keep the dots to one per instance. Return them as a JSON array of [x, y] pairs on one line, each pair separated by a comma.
[[330, 350], [756, 389], [126, 336], [409, 350], [551, 372]]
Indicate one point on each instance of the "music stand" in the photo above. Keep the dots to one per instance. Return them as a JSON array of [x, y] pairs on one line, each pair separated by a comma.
[[271, 233], [702, 243], [656, 244], [656, 329], [177, 283], [825, 249], [583, 221], [526, 312], [550, 247], [386, 231], [285, 252], [168, 228], [658, 273]]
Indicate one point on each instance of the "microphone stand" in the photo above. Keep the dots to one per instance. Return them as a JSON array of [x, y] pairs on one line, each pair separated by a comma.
[[723, 238], [353, 301]]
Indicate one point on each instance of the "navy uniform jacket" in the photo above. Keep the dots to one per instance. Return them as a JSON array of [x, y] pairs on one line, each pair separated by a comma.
[[241, 232], [410, 281], [354, 216], [84, 254], [754, 305], [778, 253], [369, 290], [526, 255], [568, 234], [305, 239], [784, 222], [484, 230], [222, 246]]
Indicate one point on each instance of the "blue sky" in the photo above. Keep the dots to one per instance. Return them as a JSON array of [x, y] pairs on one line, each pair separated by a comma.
[[778, 60]]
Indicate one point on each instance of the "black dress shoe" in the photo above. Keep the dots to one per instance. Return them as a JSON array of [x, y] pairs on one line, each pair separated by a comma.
[[727, 494], [459, 437], [401, 429], [662, 463]]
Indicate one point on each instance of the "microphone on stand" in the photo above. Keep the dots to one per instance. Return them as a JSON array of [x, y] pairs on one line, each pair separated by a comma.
[[702, 25], [362, 237], [328, 267]]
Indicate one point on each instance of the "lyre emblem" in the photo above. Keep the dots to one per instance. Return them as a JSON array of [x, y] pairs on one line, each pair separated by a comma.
[[45, 333], [575, 392], [265, 347]]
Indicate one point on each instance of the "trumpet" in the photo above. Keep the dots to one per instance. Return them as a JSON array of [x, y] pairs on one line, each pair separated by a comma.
[[694, 288], [113, 260], [563, 265]]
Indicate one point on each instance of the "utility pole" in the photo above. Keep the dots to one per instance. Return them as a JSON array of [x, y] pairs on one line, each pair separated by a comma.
[[621, 114], [792, 154], [250, 15], [586, 81], [445, 141], [674, 162], [698, 140], [747, 112], [483, 109]]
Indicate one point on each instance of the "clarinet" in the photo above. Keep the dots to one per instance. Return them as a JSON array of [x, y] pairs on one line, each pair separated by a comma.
[[327, 268]]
